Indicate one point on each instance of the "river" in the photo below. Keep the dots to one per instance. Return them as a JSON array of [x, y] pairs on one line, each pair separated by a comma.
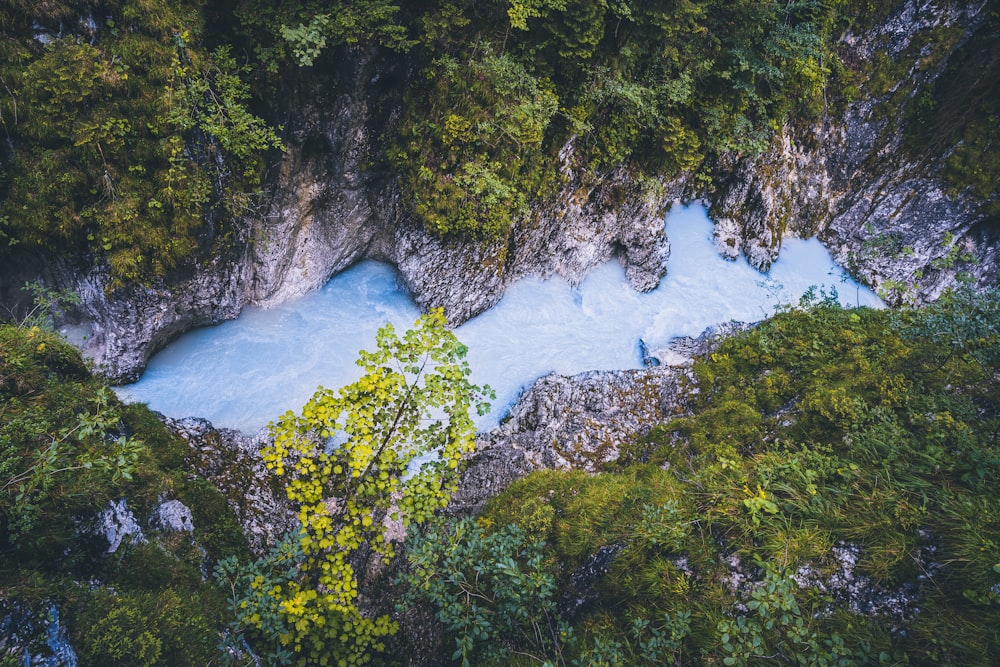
[[246, 372]]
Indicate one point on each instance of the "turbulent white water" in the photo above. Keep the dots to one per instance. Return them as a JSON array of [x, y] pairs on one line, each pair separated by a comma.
[[246, 372]]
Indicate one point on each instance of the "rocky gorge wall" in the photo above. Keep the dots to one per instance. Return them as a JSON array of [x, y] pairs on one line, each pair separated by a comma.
[[331, 203], [885, 213], [330, 206]]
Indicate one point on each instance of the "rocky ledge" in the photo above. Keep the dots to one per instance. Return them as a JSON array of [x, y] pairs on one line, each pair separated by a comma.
[[231, 461], [578, 422], [582, 421]]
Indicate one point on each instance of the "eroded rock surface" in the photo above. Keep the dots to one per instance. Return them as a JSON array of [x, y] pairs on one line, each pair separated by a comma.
[[231, 461], [332, 201], [884, 213], [577, 422], [332, 204], [117, 524]]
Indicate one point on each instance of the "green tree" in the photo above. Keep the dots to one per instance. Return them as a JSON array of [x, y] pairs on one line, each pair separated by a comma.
[[300, 31], [136, 147], [384, 449], [472, 165]]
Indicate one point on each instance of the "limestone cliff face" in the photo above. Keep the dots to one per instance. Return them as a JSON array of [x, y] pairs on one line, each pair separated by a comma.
[[121, 330], [331, 202], [330, 205], [586, 224], [885, 214], [231, 461]]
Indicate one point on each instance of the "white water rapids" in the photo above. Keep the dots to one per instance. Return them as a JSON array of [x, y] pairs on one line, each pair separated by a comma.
[[244, 373]]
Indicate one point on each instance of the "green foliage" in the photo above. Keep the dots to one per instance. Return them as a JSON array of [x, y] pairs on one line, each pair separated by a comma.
[[252, 590], [663, 526], [775, 628], [471, 166], [300, 31], [211, 99], [963, 323], [819, 432], [648, 87], [491, 590], [130, 145], [384, 449], [345, 22], [645, 645], [68, 448], [138, 144], [144, 629], [135, 142], [956, 116], [52, 450], [46, 304], [494, 590], [520, 12]]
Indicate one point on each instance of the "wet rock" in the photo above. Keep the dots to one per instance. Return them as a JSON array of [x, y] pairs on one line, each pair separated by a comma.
[[648, 361], [57, 641], [120, 328], [681, 351]]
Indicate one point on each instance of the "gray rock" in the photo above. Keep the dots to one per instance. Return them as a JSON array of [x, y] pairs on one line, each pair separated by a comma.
[[34, 642], [577, 422], [117, 523], [174, 516], [681, 351], [63, 654], [885, 216], [838, 580], [583, 590], [231, 461], [324, 219]]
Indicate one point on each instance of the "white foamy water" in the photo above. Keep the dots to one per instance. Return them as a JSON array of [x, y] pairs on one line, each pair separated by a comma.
[[244, 373]]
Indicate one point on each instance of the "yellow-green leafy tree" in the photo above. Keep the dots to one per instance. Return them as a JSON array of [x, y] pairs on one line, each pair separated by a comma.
[[384, 449]]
